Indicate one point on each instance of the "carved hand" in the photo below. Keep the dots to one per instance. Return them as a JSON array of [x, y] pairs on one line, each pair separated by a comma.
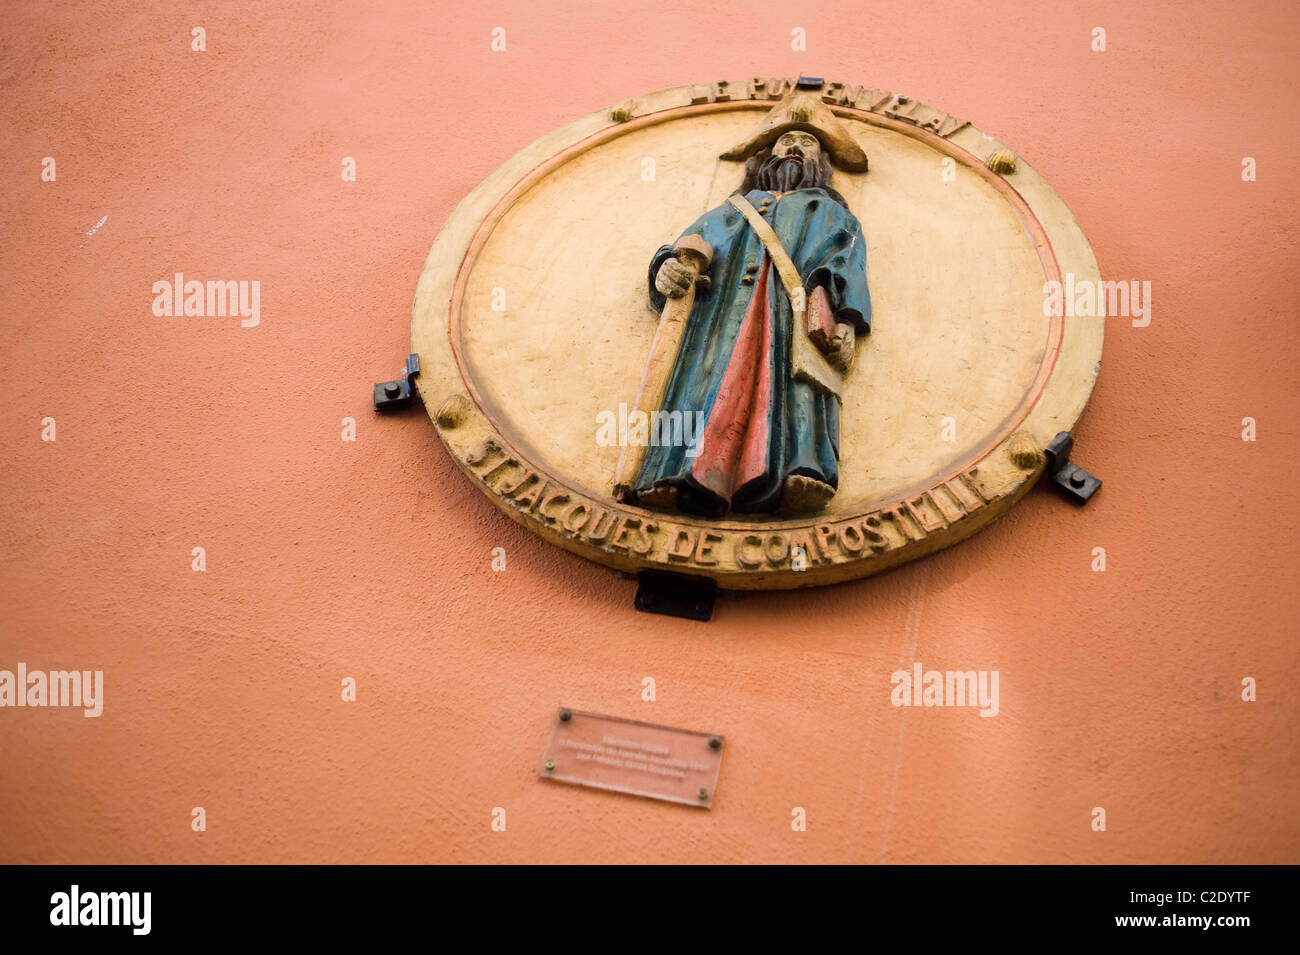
[[842, 345], [674, 279]]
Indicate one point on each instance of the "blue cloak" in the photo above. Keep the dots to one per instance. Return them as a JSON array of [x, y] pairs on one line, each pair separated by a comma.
[[766, 425]]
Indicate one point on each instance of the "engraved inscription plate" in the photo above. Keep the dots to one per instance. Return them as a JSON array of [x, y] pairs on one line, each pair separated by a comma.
[[628, 756]]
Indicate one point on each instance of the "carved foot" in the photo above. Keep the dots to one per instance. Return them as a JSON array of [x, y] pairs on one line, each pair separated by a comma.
[[662, 498], [801, 494]]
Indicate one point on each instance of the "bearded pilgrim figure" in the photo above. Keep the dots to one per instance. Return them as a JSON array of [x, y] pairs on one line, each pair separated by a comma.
[[781, 272]]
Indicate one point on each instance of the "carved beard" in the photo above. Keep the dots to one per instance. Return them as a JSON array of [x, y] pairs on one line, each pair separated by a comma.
[[786, 174]]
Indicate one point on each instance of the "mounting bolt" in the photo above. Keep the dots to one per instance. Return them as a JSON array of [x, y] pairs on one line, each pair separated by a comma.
[[715, 742], [1070, 479], [392, 395], [703, 793], [565, 715], [550, 765]]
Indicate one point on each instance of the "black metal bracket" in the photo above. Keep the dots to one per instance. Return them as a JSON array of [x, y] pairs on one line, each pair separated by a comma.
[[392, 395], [1070, 479], [676, 595]]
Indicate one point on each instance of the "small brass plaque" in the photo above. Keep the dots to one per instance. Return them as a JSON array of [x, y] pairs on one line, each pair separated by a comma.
[[628, 756]]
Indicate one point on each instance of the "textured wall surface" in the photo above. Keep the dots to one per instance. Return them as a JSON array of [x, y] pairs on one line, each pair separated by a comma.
[[328, 559]]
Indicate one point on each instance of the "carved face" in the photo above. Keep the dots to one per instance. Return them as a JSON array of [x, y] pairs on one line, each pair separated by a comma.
[[796, 143]]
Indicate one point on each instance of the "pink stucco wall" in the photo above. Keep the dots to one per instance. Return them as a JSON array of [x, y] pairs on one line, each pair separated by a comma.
[[371, 559]]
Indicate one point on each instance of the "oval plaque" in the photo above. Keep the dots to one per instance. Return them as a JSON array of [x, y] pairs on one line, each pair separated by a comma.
[[777, 333]]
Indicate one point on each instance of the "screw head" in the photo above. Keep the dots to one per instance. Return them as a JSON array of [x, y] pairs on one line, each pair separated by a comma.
[[703, 793], [715, 742], [550, 765], [565, 715], [392, 389], [1077, 479]]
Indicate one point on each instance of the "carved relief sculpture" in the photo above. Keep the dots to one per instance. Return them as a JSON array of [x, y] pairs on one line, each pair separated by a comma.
[[763, 299], [777, 416]]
